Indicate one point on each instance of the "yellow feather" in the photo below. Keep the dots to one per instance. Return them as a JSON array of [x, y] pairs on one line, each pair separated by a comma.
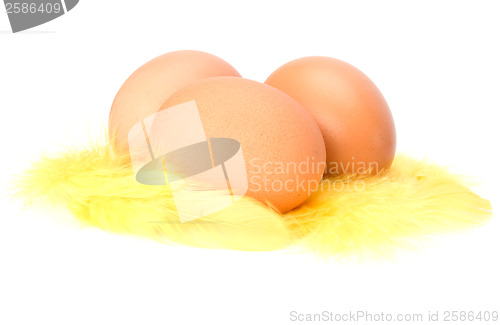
[[100, 190], [378, 214], [349, 215]]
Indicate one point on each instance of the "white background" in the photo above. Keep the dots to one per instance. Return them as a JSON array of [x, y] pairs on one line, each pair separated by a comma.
[[437, 63]]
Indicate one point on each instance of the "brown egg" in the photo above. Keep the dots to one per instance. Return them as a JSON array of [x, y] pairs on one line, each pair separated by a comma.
[[353, 116], [149, 86], [282, 146]]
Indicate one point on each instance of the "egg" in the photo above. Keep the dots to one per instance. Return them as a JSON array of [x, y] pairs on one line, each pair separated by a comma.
[[354, 118], [283, 149], [148, 87]]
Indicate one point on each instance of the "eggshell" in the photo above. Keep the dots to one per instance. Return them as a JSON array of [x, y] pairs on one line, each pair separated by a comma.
[[277, 136], [354, 118], [148, 87]]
